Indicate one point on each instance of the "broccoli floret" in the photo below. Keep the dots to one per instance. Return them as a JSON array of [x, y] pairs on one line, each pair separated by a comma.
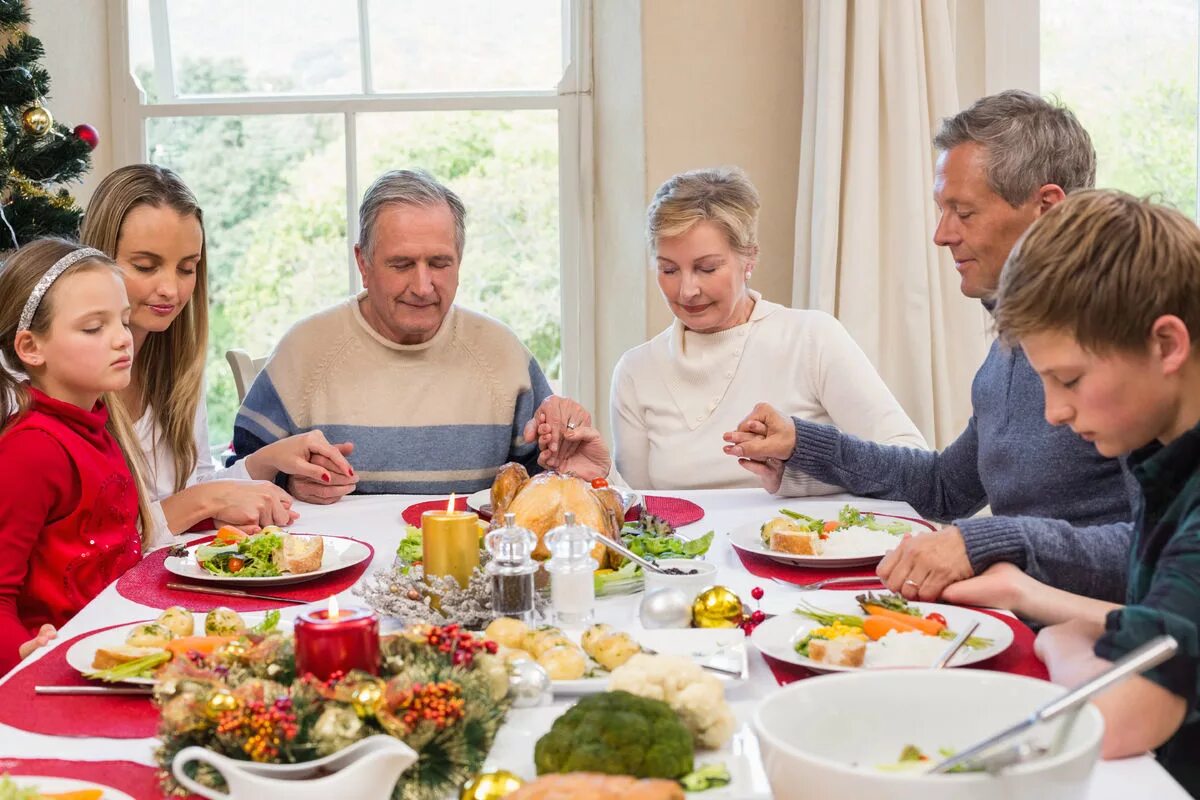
[[617, 733]]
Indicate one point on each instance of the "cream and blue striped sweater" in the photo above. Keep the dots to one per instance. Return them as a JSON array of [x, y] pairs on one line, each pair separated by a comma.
[[424, 419]]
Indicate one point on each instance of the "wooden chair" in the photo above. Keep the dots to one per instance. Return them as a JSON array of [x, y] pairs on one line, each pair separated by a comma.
[[245, 369]]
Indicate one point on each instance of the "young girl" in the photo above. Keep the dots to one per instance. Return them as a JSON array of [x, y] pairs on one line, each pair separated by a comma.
[[149, 222], [69, 508]]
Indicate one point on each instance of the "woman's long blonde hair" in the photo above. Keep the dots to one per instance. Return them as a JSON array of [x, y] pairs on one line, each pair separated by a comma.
[[169, 366], [22, 270]]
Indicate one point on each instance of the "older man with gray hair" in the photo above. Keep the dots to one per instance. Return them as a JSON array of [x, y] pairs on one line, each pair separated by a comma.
[[1061, 511], [424, 396]]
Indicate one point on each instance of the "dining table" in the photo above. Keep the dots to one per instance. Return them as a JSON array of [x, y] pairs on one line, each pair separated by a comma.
[[377, 520]]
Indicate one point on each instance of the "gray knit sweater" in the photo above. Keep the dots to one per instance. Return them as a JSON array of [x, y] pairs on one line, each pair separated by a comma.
[[1061, 510]]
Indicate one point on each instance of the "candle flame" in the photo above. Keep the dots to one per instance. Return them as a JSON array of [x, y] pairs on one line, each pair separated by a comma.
[[450, 505], [334, 613]]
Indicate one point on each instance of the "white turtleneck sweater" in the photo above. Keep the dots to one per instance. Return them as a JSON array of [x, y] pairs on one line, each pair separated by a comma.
[[674, 396]]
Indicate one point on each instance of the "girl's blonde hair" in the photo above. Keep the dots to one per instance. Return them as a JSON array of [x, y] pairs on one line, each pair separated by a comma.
[[721, 195], [170, 365], [20, 274]]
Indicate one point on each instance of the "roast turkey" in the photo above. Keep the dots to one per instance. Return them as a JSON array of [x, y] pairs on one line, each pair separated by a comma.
[[541, 503]]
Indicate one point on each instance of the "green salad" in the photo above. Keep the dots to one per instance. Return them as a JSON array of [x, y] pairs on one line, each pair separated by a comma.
[[10, 791], [650, 537], [252, 558]]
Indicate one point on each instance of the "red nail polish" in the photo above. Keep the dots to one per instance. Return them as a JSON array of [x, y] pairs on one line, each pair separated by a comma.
[[352, 472], [325, 478]]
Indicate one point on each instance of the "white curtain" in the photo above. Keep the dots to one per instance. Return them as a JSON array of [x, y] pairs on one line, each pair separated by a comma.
[[878, 77]]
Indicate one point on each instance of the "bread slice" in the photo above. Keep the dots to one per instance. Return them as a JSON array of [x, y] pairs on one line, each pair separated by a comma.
[[301, 554], [800, 543], [844, 651], [109, 657]]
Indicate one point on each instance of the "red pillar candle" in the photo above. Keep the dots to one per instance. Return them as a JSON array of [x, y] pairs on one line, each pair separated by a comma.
[[332, 641]]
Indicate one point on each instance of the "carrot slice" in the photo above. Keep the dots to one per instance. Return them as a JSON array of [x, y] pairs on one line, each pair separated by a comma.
[[928, 627], [231, 535], [204, 645], [830, 526], [876, 627], [82, 794]]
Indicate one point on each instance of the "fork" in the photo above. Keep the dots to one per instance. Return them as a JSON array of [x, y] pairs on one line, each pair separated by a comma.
[[821, 584]]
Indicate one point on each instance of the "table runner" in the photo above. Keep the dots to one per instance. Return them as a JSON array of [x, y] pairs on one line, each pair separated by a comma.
[[136, 780], [147, 582]]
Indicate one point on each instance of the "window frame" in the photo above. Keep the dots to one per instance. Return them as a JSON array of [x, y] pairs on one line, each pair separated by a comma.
[[572, 99]]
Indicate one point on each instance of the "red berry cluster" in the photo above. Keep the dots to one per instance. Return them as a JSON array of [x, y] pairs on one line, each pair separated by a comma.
[[439, 703], [261, 727], [749, 623], [460, 645]]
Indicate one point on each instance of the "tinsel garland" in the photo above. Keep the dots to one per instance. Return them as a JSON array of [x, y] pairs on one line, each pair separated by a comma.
[[439, 690], [402, 592]]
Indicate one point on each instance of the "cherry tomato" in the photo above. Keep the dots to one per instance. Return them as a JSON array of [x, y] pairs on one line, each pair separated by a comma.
[[830, 526], [235, 564], [936, 617], [599, 483]]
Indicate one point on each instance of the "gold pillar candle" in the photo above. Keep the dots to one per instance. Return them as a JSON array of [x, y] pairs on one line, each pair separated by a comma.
[[450, 543]]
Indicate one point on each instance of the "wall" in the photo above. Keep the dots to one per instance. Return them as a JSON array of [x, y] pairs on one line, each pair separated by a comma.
[[75, 35]]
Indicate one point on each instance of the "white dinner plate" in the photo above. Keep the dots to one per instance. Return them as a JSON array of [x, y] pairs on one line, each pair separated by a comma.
[[81, 654], [339, 553], [748, 538], [778, 636], [46, 784], [724, 648]]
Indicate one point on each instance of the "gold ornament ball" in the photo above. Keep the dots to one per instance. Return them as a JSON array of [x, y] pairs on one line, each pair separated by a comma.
[[366, 698], [219, 702], [491, 786], [37, 120], [717, 607]]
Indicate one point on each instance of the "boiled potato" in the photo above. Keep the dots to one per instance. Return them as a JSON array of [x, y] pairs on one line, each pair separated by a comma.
[[566, 662], [149, 634], [507, 632], [593, 635], [535, 641], [614, 650], [179, 621], [513, 653], [222, 621]]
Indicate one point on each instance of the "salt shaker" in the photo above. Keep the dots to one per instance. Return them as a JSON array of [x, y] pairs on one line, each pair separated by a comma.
[[571, 568], [512, 568]]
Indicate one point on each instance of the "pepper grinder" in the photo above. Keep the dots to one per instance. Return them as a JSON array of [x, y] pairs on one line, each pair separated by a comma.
[[512, 569], [572, 568]]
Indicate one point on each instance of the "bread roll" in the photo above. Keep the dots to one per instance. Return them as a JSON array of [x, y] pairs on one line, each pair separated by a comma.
[[302, 554]]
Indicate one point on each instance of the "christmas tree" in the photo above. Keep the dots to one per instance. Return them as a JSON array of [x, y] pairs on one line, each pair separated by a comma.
[[38, 154]]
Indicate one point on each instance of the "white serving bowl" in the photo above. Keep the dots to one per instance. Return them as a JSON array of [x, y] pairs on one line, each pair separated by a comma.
[[705, 575], [814, 732]]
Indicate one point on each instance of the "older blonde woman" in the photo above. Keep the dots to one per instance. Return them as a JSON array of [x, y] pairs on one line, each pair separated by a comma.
[[728, 348]]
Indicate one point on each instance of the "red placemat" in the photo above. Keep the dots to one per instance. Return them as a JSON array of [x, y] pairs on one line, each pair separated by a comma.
[[1018, 659], [108, 716], [147, 584], [675, 510], [135, 780]]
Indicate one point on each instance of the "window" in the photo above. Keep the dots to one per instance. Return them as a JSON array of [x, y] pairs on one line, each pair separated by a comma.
[[1128, 70], [280, 113]]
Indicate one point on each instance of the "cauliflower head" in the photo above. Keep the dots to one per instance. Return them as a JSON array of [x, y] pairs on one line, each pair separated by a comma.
[[695, 695]]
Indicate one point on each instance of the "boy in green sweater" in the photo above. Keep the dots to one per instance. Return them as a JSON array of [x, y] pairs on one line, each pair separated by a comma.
[[1103, 295]]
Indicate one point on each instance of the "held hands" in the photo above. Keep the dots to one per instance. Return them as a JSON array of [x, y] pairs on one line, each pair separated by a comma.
[[923, 566], [762, 442], [332, 485], [44, 635], [297, 455], [1002, 585], [566, 439], [251, 505]]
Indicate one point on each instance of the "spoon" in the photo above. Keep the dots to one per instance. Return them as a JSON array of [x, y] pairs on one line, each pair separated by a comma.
[[613, 544], [955, 646], [1151, 654]]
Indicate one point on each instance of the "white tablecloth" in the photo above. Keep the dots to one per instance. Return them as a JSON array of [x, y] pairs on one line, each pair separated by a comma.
[[376, 519]]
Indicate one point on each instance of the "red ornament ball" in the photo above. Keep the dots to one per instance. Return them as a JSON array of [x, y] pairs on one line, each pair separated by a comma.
[[757, 593], [758, 617], [88, 135]]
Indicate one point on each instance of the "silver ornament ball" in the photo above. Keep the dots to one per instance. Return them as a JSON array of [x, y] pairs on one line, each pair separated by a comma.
[[528, 683], [666, 608]]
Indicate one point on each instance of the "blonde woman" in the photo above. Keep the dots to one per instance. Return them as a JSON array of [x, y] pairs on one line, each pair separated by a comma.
[[728, 348], [149, 222]]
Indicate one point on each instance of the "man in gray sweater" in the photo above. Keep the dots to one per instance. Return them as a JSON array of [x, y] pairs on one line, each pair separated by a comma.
[[1061, 511]]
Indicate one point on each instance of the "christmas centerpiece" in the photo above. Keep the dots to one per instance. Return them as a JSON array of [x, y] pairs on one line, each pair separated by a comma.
[[440, 690]]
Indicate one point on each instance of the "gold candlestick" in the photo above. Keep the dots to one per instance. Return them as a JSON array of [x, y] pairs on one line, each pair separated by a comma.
[[450, 543]]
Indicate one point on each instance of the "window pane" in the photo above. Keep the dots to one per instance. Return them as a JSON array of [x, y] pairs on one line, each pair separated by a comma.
[[277, 46], [463, 45], [1130, 76], [504, 165], [273, 191]]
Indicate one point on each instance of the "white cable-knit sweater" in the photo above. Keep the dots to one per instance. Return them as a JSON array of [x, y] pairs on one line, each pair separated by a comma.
[[674, 396]]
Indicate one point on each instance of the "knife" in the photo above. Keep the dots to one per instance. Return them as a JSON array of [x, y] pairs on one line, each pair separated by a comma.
[[133, 690], [190, 587]]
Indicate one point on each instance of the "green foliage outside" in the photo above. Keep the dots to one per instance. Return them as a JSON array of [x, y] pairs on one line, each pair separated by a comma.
[[273, 193]]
